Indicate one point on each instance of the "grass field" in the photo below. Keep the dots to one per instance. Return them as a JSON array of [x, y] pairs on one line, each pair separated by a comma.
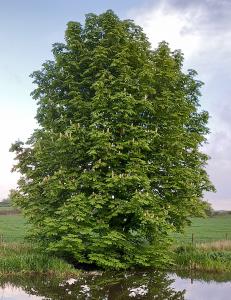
[[4, 208], [207, 230], [12, 228]]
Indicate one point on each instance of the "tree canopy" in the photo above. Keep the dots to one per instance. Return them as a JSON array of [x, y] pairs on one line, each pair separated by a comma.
[[116, 162]]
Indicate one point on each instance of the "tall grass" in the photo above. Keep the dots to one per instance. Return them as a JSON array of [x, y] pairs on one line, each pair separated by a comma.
[[19, 258], [223, 245], [215, 257]]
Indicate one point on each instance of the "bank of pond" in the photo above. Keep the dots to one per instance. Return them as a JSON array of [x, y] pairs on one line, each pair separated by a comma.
[[16, 258]]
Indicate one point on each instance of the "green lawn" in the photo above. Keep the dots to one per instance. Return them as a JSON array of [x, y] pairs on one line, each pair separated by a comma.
[[12, 228], [207, 230]]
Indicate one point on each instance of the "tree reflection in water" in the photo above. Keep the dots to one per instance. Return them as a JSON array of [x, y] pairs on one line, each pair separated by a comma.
[[107, 286]]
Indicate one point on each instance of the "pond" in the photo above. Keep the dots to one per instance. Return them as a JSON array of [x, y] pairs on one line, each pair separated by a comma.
[[119, 286]]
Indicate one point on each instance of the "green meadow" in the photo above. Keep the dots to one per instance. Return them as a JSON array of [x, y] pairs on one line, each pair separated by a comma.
[[12, 228], [208, 229]]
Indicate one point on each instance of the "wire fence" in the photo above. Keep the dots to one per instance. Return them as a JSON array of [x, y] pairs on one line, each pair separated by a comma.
[[11, 238], [8, 212], [189, 239], [196, 238]]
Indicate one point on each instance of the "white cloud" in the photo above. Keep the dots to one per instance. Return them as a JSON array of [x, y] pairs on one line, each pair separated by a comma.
[[15, 123], [162, 23], [202, 30]]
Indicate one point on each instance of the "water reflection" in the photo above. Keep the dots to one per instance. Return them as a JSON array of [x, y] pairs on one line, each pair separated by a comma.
[[105, 286], [199, 287], [9, 292], [118, 286]]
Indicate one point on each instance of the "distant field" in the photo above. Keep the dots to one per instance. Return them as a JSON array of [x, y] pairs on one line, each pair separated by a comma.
[[3, 208], [207, 230], [12, 228], [6, 210]]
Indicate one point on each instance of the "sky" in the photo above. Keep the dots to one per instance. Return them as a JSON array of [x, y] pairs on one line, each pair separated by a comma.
[[200, 28]]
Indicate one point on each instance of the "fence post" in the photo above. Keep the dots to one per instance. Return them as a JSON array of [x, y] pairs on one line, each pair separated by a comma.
[[192, 238]]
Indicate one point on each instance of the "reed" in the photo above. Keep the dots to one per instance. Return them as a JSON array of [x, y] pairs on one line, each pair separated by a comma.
[[26, 258], [203, 259]]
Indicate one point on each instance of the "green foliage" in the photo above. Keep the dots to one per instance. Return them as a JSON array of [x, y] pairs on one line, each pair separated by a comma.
[[115, 164], [5, 203], [209, 211]]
